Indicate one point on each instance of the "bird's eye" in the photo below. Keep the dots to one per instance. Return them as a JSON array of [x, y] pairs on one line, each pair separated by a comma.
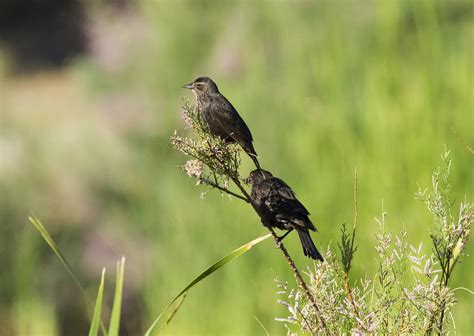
[[198, 85]]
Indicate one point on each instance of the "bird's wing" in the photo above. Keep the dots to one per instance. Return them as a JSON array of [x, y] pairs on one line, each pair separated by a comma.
[[288, 196], [230, 120], [282, 201]]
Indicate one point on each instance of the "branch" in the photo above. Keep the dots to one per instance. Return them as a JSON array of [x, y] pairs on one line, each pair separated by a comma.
[[217, 186]]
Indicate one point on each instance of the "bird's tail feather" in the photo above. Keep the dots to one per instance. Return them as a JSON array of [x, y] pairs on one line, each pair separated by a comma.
[[255, 160], [253, 155], [309, 248]]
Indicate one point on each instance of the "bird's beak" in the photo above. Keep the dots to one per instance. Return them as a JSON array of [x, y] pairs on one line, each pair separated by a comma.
[[247, 180], [188, 86]]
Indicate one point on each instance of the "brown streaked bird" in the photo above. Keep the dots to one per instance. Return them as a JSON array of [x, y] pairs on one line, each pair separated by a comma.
[[279, 208], [221, 117]]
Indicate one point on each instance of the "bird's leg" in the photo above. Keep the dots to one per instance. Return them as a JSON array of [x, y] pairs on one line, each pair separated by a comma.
[[286, 234]]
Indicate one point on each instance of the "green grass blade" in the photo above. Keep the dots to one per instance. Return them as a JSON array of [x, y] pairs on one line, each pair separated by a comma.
[[98, 308], [49, 240], [229, 257], [114, 325]]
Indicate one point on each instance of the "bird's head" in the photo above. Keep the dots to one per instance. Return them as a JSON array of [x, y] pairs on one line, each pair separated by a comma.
[[202, 85], [257, 176]]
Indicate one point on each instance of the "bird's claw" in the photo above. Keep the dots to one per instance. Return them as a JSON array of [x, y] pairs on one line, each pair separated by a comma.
[[278, 242], [279, 239]]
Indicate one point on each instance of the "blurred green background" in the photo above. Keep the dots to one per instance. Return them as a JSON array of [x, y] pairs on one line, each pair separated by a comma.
[[324, 86]]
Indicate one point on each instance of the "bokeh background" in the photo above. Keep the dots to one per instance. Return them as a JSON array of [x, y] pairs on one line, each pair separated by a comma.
[[90, 93]]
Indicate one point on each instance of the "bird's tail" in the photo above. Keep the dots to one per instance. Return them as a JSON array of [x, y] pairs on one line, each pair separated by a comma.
[[255, 160], [253, 155], [309, 248]]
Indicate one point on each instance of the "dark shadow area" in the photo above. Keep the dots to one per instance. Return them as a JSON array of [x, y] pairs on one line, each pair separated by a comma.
[[42, 33]]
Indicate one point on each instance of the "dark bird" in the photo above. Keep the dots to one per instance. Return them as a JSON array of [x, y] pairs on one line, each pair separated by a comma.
[[279, 208], [221, 117]]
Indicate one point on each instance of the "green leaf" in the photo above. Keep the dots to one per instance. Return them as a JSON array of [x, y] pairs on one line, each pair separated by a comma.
[[114, 325], [229, 257], [49, 240], [98, 308]]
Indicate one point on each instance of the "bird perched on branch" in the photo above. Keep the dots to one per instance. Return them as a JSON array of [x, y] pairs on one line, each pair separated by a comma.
[[221, 117], [279, 208]]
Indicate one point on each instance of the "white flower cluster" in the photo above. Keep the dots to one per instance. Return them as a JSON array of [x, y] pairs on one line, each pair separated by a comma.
[[194, 168]]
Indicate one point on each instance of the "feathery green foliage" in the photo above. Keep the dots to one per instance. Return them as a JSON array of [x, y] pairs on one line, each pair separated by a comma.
[[409, 294]]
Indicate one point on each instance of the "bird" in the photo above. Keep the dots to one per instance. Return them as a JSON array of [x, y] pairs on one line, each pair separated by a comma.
[[278, 207], [221, 117]]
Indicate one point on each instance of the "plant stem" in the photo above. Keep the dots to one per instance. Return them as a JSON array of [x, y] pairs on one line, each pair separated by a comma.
[[347, 286], [300, 280], [217, 186], [356, 214]]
